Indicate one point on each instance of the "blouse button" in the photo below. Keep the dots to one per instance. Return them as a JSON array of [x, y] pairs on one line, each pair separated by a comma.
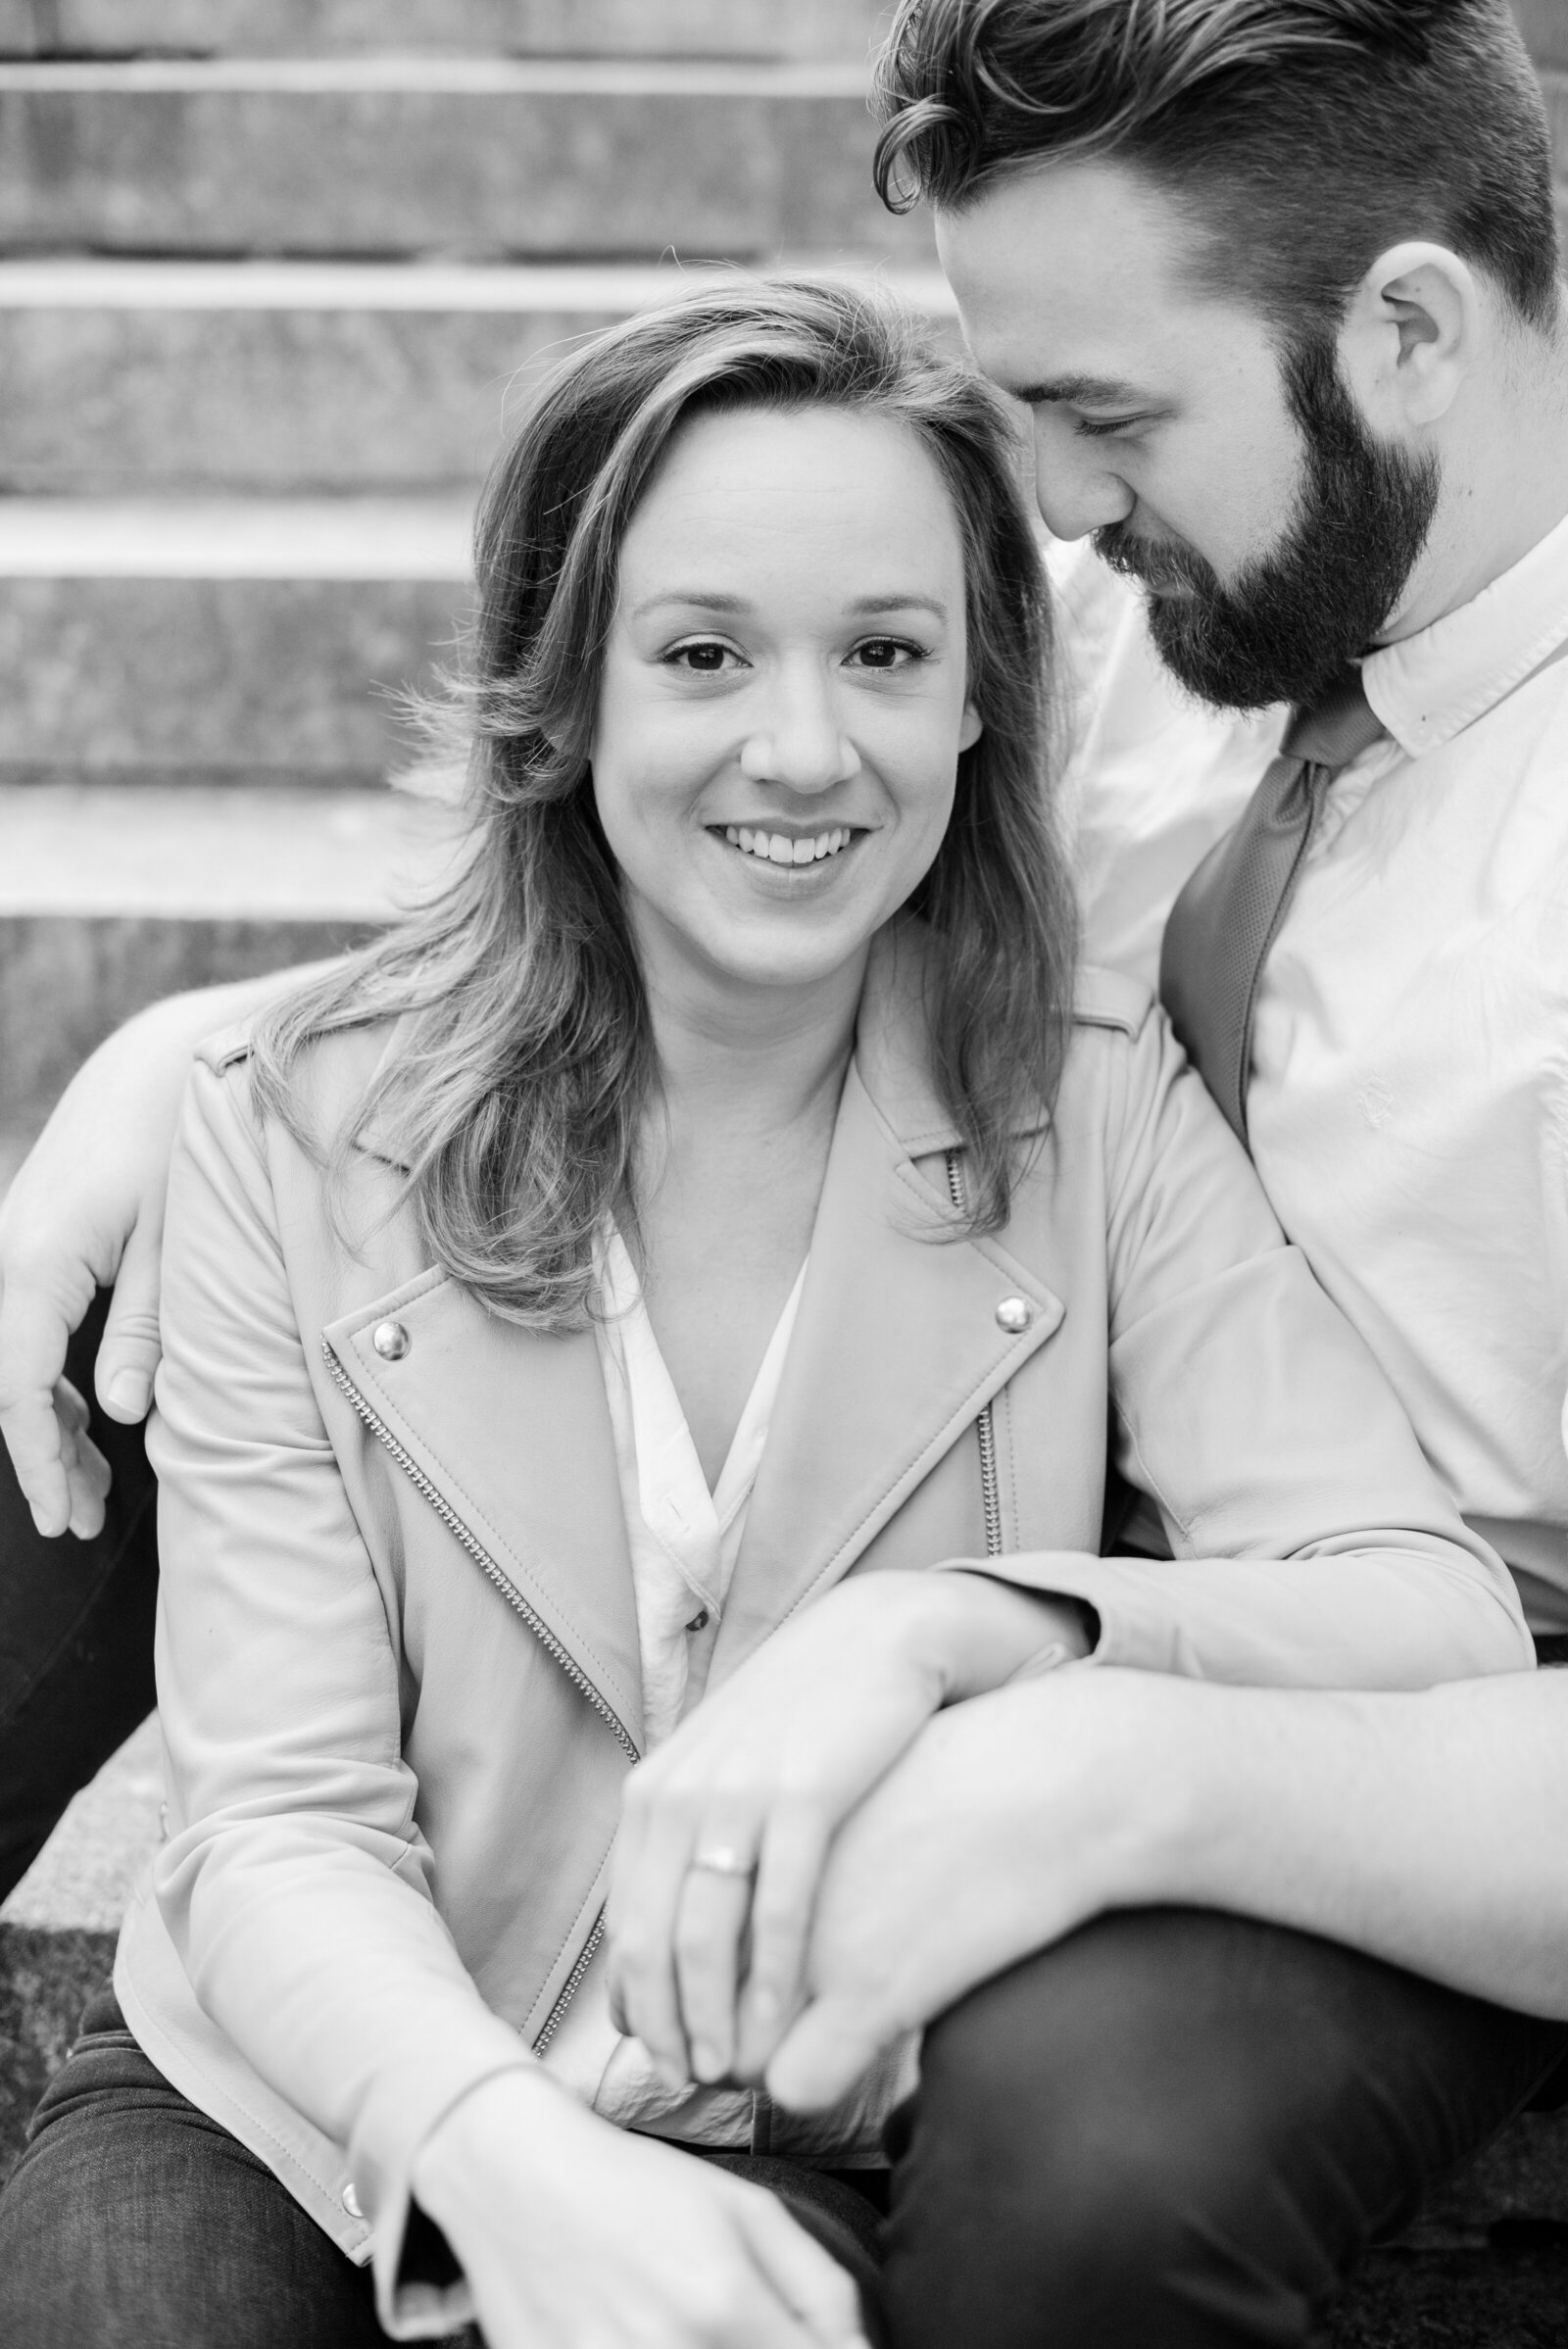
[[1014, 1314], [391, 1340], [351, 2202], [699, 1622]]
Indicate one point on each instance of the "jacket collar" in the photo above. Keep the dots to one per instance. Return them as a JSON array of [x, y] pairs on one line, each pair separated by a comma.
[[896, 1350]]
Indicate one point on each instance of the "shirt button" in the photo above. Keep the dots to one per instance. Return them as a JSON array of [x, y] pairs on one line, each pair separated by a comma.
[[1014, 1314], [699, 1622], [351, 2202], [391, 1340]]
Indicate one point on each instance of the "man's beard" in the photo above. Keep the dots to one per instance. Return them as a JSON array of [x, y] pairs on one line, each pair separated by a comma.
[[1291, 621]]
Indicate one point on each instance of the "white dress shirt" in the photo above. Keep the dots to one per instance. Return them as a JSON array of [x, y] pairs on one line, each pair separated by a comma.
[[1408, 1103], [684, 1541]]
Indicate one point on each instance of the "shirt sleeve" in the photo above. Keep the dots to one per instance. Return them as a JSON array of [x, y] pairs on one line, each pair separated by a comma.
[[295, 1883], [1312, 1543]]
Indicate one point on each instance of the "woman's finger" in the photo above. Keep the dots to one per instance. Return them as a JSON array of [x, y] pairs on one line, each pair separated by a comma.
[[790, 1868], [710, 1934]]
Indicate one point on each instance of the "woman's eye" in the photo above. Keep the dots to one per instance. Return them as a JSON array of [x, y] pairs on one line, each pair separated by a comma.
[[703, 659], [886, 652]]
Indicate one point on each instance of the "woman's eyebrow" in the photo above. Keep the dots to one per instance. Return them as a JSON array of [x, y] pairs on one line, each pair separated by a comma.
[[899, 602], [705, 599]]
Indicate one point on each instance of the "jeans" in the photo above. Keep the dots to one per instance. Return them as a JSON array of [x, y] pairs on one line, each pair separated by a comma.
[[1175, 2128], [75, 1631], [134, 2222]]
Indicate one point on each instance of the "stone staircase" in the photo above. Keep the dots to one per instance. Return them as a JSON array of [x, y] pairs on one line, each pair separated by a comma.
[[272, 277]]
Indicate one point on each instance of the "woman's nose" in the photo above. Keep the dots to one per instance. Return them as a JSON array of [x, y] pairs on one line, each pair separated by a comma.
[[1075, 489], [801, 741]]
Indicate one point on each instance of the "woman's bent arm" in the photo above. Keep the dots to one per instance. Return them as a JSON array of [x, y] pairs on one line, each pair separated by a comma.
[[1313, 1544]]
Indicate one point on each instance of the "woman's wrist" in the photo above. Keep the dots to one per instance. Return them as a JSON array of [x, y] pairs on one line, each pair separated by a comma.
[[990, 1630], [460, 2156]]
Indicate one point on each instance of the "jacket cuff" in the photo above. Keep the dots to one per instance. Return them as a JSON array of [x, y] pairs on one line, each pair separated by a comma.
[[1138, 1628], [398, 2115]]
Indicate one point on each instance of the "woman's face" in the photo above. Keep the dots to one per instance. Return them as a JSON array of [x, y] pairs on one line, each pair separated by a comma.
[[783, 700]]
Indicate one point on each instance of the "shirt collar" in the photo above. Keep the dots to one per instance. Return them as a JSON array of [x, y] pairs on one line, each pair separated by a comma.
[[1430, 687]]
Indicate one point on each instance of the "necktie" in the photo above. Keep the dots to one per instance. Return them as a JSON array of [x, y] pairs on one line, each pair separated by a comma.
[[1228, 915]]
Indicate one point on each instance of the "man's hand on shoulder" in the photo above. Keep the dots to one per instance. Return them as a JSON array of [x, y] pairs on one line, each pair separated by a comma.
[[86, 1211]]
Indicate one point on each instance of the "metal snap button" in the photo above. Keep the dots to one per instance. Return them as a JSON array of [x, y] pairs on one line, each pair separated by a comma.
[[391, 1340], [1014, 1314], [351, 2202]]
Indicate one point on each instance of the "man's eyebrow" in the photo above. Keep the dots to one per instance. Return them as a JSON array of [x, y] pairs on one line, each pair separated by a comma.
[[1078, 391]]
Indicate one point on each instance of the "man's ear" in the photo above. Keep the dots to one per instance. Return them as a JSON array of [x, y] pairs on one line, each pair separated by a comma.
[[970, 727], [1411, 336]]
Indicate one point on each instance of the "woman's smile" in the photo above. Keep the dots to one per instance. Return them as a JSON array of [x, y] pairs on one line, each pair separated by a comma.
[[786, 846]]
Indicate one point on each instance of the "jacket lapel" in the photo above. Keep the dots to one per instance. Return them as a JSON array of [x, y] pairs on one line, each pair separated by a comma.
[[896, 1348], [512, 1430]]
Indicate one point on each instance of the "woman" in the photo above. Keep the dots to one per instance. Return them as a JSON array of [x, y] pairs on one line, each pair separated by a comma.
[[708, 1217]]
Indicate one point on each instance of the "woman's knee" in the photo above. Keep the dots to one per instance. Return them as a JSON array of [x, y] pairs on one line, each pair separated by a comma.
[[132, 2221]]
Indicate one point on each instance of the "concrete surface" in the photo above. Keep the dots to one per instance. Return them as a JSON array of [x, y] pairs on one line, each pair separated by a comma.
[[578, 28], [386, 156], [121, 377]]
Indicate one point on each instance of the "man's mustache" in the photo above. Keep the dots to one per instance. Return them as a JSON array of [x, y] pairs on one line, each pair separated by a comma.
[[1158, 565]]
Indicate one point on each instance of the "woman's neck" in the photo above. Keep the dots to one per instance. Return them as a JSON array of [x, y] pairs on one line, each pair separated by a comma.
[[764, 1059]]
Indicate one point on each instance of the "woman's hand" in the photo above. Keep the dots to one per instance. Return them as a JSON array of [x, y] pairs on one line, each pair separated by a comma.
[[726, 1828], [574, 2235], [1007, 1824]]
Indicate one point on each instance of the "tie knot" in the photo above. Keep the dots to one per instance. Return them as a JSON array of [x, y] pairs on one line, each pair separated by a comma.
[[1337, 728]]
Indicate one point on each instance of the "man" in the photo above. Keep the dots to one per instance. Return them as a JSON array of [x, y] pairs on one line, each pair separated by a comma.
[[1278, 282]]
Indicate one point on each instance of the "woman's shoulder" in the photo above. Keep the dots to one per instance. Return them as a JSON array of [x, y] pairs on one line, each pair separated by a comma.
[[1110, 1001], [321, 1086]]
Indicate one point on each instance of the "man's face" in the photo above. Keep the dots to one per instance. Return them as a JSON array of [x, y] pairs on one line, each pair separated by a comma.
[[1272, 534]]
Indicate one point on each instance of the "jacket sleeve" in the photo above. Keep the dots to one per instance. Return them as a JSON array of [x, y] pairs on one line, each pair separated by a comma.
[[1312, 1543], [295, 1883]]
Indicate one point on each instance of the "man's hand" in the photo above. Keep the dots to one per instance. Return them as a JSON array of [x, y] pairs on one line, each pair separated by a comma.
[[1010, 1821], [84, 1212], [706, 1960]]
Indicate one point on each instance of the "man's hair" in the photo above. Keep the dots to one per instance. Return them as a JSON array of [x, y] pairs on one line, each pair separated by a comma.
[[1304, 136]]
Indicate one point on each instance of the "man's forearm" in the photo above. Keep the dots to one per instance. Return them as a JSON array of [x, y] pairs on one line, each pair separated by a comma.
[[1429, 1829]]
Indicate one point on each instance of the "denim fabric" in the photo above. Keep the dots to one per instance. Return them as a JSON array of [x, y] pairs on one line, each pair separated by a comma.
[[1181, 2127], [133, 2221], [1175, 2128], [75, 1631]]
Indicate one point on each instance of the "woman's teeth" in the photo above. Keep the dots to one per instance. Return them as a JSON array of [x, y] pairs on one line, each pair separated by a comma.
[[780, 851]]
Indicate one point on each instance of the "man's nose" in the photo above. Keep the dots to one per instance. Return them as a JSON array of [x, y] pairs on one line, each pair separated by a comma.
[[1076, 488], [801, 740]]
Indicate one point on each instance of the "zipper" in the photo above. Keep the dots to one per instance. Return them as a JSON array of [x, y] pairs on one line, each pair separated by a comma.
[[985, 1425], [519, 1606], [570, 1986]]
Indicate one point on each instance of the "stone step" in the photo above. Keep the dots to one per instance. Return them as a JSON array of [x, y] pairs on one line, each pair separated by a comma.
[[388, 156], [501, 27], [207, 637], [135, 378], [114, 894]]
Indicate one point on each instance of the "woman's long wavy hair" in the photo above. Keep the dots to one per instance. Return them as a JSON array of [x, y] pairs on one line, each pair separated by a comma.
[[525, 1057]]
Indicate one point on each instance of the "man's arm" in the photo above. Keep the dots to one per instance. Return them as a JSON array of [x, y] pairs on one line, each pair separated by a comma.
[[1429, 1829], [86, 1211]]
